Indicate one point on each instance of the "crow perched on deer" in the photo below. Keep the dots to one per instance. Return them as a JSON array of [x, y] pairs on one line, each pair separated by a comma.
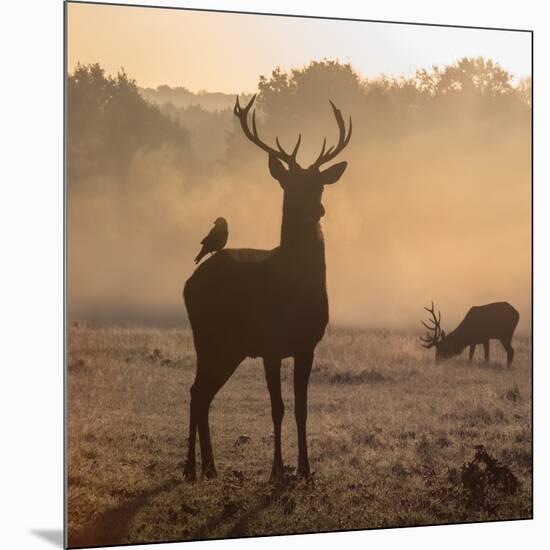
[[265, 303], [215, 240], [481, 324]]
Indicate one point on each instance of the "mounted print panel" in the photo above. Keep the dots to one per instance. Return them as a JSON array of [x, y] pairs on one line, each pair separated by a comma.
[[299, 287]]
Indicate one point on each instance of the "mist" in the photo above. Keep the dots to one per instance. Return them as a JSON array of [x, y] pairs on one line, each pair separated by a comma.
[[435, 202]]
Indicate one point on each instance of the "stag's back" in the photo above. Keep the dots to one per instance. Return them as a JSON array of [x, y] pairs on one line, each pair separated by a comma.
[[497, 320], [241, 301]]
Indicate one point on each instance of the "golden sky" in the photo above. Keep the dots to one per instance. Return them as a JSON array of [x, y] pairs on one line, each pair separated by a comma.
[[228, 52]]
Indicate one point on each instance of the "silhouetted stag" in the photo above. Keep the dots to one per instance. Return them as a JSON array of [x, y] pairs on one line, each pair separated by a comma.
[[265, 303], [497, 321]]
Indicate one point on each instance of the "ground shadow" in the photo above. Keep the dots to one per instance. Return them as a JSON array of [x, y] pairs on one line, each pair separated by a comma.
[[111, 527], [53, 536], [267, 495]]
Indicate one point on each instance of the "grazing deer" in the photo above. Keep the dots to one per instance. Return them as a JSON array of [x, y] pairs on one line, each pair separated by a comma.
[[498, 321], [265, 303]]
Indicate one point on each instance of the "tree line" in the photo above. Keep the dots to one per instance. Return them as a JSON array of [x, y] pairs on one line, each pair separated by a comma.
[[110, 118]]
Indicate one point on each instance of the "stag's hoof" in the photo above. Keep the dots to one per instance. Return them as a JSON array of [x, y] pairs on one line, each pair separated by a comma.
[[277, 473], [190, 477], [304, 472], [189, 474], [210, 472]]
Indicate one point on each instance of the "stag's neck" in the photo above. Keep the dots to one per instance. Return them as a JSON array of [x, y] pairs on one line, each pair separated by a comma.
[[303, 247], [300, 240], [457, 341]]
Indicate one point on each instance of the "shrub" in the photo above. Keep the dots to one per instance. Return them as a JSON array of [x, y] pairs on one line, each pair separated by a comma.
[[484, 479]]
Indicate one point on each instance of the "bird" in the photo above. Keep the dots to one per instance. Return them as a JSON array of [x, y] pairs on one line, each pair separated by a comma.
[[215, 240]]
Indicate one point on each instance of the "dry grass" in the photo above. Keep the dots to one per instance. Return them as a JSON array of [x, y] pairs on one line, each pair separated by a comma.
[[388, 432]]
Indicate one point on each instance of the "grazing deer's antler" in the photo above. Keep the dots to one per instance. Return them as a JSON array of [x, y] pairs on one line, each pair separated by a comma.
[[252, 135], [431, 340], [343, 140]]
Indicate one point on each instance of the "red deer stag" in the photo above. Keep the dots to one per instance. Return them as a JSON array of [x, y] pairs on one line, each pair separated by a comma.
[[265, 303], [497, 321]]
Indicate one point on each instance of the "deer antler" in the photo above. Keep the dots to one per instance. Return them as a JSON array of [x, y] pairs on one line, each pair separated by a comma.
[[343, 140], [431, 340], [252, 135]]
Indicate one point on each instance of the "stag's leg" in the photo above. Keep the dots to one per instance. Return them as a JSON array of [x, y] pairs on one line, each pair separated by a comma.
[[486, 350], [207, 456], [190, 471], [302, 369], [272, 367], [209, 381], [199, 390], [507, 344], [471, 354], [509, 355]]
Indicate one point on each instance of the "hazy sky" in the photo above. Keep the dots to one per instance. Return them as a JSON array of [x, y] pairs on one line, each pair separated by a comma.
[[227, 52]]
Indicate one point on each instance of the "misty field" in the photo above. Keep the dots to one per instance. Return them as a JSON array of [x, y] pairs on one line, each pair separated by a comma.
[[389, 433]]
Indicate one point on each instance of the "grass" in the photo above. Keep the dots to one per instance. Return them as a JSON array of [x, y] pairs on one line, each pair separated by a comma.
[[389, 432]]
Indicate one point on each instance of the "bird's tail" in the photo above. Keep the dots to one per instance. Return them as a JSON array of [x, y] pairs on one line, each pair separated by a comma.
[[200, 256]]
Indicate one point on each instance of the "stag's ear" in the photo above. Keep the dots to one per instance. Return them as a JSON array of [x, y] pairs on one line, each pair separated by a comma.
[[442, 335], [277, 170], [333, 174]]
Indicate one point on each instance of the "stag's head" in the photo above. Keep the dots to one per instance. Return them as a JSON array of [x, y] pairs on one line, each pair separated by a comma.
[[302, 187], [435, 337]]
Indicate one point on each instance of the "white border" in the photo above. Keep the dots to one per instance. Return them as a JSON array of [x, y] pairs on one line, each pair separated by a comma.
[[31, 274]]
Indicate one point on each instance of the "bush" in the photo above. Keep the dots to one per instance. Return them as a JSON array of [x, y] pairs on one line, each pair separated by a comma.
[[484, 479]]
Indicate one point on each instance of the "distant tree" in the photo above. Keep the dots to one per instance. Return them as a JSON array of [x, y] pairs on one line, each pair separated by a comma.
[[208, 129], [296, 101], [384, 108], [181, 97], [475, 86], [524, 90], [300, 93], [474, 76], [109, 121]]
